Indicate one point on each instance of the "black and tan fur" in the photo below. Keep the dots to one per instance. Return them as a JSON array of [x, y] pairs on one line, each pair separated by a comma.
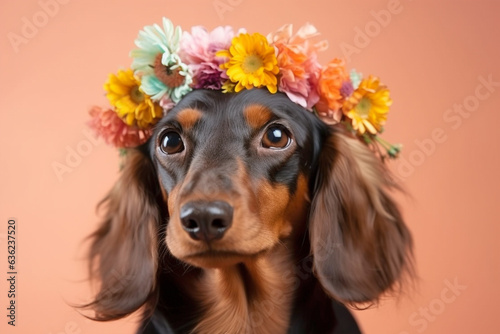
[[311, 221]]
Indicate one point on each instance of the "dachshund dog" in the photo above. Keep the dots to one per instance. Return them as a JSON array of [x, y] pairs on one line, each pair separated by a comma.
[[245, 213]]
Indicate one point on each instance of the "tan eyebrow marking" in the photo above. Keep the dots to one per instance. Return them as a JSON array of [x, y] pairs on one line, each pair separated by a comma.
[[188, 117], [257, 115]]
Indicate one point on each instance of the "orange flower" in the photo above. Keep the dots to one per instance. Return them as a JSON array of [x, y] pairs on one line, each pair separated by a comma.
[[331, 79], [291, 60], [298, 75], [298, 64]]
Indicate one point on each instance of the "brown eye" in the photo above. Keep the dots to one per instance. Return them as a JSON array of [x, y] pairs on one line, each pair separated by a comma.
[[276, 136], [171, 143]]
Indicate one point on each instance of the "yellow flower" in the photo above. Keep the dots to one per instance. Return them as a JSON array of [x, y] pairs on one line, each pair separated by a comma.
[[228, 86], [368, 106], [252, 62], [130, 102]]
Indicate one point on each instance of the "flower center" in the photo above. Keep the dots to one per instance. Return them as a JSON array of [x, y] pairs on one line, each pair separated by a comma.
[[364, 107], [136, 95], [252, 63], [171, 78]]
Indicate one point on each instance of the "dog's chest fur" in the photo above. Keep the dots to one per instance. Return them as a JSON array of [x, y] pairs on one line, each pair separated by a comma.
[[254, 297]]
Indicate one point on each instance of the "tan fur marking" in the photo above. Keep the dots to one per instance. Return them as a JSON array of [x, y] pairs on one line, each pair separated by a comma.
[[273, 200], [265, 309], [174, 228], [257, 116], [172, 198], [298, 206], [188, 117], [163, 193]]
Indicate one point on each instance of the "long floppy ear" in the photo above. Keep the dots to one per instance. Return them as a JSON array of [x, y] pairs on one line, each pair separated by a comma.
[[360, 244], [123, 254]]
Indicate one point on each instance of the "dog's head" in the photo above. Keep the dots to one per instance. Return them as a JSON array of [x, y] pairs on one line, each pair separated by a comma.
[[232, 176]]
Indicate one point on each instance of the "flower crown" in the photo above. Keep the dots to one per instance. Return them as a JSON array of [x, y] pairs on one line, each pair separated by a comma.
[[169, 63]]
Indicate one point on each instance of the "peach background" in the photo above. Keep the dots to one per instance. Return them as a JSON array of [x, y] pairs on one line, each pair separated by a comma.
[[430, 54]]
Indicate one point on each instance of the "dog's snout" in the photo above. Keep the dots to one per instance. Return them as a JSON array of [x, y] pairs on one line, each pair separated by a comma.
[[206, 220]]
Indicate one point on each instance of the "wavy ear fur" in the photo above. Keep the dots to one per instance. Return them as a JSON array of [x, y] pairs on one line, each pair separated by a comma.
[[360, 244], [123, 254]]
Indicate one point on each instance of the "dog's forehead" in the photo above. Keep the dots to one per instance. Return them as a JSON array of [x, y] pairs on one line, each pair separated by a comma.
[[221, 110]]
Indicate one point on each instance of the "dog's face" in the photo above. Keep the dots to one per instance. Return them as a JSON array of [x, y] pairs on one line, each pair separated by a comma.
[[234, 171], [231, 175]]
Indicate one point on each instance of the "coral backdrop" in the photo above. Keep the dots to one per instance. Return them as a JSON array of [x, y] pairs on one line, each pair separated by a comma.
[[439, 58]]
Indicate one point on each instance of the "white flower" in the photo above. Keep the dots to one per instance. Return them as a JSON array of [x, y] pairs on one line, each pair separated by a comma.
[[158, 64]]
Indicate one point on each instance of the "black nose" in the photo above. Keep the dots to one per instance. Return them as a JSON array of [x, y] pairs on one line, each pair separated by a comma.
[[205, 220]]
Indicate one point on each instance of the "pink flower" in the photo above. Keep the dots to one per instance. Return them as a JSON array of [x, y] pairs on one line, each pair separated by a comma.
[[108, 125], [298, 63], [198, 49], [300, 42]]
